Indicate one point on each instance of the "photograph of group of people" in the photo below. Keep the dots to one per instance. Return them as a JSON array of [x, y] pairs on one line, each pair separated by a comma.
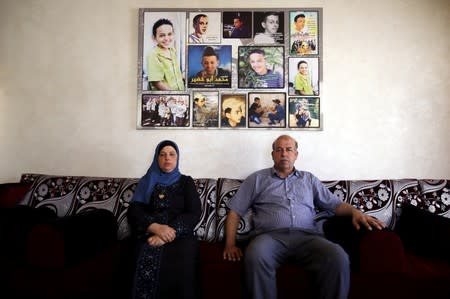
[[229, 68], [230, 110]]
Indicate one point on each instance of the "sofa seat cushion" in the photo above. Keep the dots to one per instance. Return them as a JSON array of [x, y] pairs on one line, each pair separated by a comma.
[[427, 278], [419, 266], [224, 278], [68, 240]]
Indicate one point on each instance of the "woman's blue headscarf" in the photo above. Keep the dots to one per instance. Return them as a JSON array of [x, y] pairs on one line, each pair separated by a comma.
[[155, 175]]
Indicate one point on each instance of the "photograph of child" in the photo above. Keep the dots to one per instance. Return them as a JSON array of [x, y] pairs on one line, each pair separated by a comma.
[[268, 27], [233, 111], [205, 27], [304, 31], [261, 67], [209, 66], [267, 110], [304, 76], [237, 24], [165, 110], [304, 112], [205, 109], [163, 50]]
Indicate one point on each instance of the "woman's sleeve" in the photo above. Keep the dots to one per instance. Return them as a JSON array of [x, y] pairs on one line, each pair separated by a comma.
[[185, 222], [140, 217]]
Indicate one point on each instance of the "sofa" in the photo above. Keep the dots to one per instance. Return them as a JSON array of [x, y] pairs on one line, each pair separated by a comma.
[[68, 237]]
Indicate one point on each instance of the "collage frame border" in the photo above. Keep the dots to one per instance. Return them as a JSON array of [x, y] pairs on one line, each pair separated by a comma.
[[142, 94]]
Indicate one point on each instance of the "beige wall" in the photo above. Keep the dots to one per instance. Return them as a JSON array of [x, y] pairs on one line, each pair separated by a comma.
[[68, 94]]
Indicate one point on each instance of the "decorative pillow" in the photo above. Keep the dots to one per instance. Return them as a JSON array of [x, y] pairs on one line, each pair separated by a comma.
[[424, 233], [226, 190], [206, 227], [71, 195]]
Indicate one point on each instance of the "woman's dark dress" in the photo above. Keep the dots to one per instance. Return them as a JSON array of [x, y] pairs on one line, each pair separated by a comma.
[[167, 271]]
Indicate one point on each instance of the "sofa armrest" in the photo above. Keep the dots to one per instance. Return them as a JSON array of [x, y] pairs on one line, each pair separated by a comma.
[[68, 240], [12, 193], [369, 251]]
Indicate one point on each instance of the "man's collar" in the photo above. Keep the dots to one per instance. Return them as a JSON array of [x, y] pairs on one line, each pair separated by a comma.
[[294, 172]]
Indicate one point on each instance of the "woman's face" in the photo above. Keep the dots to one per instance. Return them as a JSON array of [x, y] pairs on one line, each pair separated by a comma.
[[167, 158], [164, 36], [271, 24], [258, 63]]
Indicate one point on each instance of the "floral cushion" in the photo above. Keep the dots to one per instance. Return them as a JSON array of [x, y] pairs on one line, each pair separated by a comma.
[[226, 190], [71, 195]]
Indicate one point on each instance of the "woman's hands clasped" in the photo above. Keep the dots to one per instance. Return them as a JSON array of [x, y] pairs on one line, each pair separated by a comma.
[[162, 234]]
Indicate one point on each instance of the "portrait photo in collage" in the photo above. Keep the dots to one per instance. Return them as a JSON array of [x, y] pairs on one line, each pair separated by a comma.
[[229, 68]]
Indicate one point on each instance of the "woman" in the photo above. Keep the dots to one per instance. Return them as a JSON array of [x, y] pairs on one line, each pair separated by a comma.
[[162, 214]]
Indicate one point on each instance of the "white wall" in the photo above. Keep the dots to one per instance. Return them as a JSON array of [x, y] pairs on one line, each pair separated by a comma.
[[68, 94]]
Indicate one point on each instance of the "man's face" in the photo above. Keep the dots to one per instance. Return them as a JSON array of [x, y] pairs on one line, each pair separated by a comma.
[[237, 23], [210, 64], [303, 69], [271, 24], [202, 25], [200, 102], [167, 158], [164, 36], [284, 154], [300, 23], [235, 115], [258, 63]]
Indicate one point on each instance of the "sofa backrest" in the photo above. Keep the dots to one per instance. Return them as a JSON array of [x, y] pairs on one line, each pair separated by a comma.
[[69, 195], [382, 199]]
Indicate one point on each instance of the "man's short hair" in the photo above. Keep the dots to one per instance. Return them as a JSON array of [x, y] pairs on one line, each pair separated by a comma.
[[197, 18], [299, 16], [284, 136], [257, 51]]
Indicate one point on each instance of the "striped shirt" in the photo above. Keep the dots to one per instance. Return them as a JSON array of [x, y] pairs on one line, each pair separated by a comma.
[[277, 202], [271, 80]]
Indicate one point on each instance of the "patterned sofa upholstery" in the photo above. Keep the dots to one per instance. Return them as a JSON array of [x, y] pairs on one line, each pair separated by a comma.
[[384, 199]]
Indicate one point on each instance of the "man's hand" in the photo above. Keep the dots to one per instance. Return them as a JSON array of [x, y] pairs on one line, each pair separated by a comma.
[[232, 253], [360, 219]]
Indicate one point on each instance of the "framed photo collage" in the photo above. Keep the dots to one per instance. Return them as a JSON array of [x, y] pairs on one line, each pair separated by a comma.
[[229, 69]]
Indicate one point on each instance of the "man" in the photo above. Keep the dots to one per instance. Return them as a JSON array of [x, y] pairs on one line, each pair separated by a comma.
[[233, 112], [200, 24], [270, 24], [284, 201], [302, 43], [278, 114], [240, 29], [302, 83], [201, 112], [212, 75], [256, 111], [260, 76], [299, 25]]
